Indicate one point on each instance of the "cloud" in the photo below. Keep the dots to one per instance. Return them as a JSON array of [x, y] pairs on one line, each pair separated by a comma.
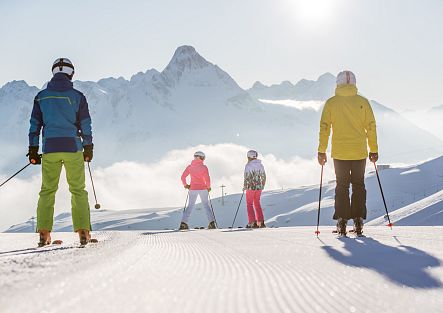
[[130, 185]]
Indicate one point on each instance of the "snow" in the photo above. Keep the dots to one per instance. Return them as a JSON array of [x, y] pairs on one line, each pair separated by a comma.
[[428, 212], [266, 270], [300, 105]]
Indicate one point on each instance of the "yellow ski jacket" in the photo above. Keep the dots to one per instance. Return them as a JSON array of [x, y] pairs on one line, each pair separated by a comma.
[[353, 125]]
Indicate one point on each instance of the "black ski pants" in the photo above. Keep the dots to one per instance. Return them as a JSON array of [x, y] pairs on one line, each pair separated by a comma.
[[350, 172]]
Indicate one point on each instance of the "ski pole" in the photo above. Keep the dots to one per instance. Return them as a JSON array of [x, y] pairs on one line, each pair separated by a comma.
[[186, 201], [235, 217], [97, 206], [213, 213], [15, 174], [317, 232], [383, 196]]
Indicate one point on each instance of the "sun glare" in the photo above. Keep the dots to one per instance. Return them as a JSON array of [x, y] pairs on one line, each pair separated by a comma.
[[314, 11]]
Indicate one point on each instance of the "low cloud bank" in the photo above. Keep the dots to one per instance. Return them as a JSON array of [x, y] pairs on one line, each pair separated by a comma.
[[131, 185]]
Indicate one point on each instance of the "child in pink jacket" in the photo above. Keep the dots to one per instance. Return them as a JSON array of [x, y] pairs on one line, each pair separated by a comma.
[[254, 183], [200, 186]]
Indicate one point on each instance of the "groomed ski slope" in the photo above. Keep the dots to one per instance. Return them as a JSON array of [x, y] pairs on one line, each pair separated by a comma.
[[265, 270]]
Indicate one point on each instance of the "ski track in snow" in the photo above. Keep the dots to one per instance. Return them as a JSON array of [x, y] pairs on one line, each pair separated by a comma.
[[264, 270]]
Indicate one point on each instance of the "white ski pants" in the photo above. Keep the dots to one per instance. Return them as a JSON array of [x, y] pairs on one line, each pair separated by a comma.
[[204, 195]]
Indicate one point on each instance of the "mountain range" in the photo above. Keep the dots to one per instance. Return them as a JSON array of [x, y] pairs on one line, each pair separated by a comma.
[[193, 101]]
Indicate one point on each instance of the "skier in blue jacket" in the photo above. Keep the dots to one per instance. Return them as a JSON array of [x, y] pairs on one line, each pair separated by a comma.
[[63, 115]]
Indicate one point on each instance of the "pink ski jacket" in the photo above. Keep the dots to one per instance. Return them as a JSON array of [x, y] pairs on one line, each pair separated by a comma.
[[200, 179]]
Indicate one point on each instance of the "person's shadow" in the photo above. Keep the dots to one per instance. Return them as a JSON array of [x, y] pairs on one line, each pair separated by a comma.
[[402, 265]]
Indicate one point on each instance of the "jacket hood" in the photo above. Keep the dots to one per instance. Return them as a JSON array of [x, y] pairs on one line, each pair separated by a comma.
[[197, 162], [255, 161], [346, 90], [254, 165], [60, 82]]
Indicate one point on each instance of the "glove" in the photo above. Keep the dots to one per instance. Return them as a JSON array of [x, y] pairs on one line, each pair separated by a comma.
[[322, 159], [187, 186], [209, 189], [87, 152], [373, 156], [33, 155]]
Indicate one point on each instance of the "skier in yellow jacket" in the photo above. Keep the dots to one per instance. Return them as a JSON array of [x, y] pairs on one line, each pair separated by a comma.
[[353, 129]]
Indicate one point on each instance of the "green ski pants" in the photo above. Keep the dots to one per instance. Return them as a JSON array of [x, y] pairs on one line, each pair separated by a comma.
[[75, 174]]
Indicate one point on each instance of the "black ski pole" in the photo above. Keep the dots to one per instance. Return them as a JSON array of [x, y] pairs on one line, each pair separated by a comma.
[[317, 232], [235, 217], [97, 206], [212, 208], [383, 196], [15, 174], [186, 201]]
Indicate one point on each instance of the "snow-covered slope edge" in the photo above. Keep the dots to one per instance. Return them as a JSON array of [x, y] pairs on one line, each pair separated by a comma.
[[426, 212]]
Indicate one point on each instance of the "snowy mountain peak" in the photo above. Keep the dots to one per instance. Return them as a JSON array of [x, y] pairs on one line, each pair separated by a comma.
[[304, 90], [286, 83], [15, 86], [258, 85], [186, 58], [185, 50], [188, 68], [326, 77], [18, 89]]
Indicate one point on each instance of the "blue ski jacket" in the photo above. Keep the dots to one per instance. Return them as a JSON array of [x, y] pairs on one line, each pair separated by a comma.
[[63, 113]]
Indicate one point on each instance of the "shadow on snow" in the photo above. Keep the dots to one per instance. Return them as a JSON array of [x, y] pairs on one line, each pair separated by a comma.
[[402, 265]]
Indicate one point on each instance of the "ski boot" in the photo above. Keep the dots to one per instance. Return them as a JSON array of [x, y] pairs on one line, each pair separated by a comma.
[[45, 238], [183, 226], [85, 237], [261, 224], [252, 225], [358, 226], [212, 225], [341, 226]]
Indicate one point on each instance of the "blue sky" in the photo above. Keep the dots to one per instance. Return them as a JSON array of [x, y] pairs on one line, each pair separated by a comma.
[[394, 46]]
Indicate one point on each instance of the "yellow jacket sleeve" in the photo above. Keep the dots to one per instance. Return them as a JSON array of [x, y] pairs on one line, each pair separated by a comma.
[[371, 129], [325, 128]]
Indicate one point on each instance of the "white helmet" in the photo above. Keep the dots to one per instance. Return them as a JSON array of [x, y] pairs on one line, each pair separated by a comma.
[[252, 154], [200, 155], [63, 65], [346, 78]]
